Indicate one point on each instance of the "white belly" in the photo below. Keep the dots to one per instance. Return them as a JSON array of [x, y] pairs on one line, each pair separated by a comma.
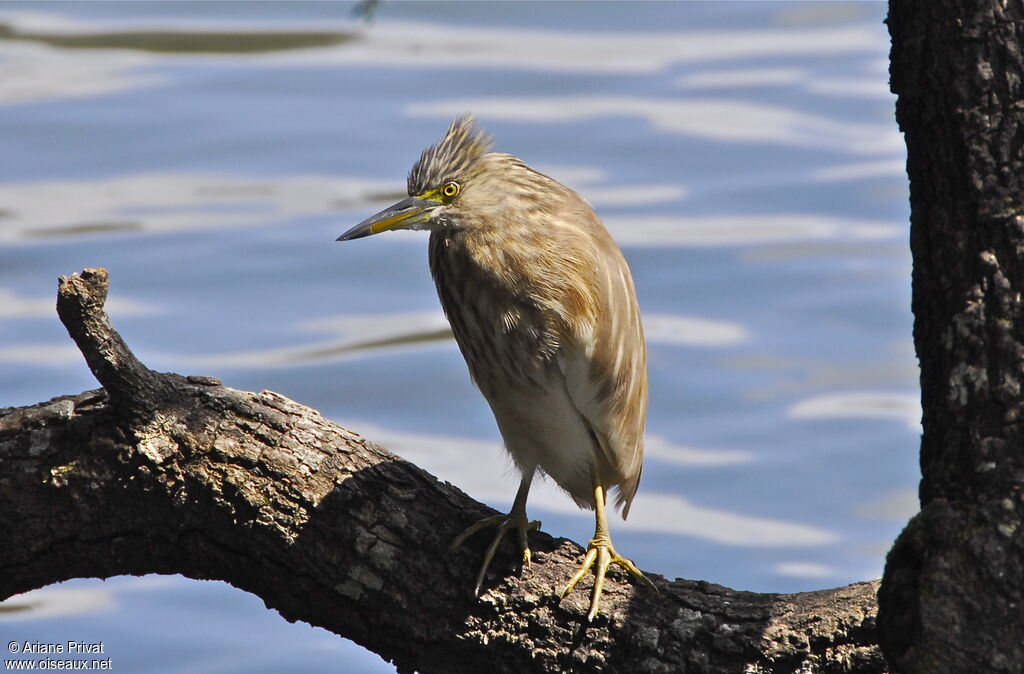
[[543, 428]]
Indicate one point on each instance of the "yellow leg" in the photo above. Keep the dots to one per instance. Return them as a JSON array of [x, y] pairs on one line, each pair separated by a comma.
[[516, 518], [600, 555]]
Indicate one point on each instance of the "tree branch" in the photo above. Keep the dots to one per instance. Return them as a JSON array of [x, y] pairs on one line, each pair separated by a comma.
[[159, 473]]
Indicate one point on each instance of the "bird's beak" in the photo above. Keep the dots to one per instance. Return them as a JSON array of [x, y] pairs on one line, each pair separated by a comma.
[[406, 214]]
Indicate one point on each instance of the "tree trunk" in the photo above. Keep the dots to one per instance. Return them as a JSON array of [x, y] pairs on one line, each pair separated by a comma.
[[160, 473], [952, 597]]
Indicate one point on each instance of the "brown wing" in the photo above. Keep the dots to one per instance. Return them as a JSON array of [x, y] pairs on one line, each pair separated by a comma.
[[605, 365]]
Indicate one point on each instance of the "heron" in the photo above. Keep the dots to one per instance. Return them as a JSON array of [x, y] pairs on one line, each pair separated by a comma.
[[543, 308]]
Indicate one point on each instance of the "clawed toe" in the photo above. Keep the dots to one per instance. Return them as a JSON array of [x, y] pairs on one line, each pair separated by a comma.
[[600, 555], [503, 523]]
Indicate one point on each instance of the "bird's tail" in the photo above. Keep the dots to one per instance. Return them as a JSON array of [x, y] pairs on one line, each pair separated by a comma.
[[626, 492]]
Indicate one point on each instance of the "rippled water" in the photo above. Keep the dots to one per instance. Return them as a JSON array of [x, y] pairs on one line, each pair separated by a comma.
[[743, 154]]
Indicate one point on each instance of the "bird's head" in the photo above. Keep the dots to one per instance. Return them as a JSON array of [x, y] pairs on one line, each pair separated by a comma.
[[437, 184]]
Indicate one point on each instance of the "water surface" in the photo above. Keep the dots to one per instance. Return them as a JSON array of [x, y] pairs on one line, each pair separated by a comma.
[[743, 154]]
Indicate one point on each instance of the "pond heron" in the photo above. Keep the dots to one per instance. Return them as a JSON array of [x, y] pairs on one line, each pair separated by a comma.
[[542, 306]]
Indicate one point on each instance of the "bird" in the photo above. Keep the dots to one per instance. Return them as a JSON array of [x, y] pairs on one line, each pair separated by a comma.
[[543, 308]]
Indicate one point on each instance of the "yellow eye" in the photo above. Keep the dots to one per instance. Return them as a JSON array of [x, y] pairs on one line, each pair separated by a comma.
[[450, 190]]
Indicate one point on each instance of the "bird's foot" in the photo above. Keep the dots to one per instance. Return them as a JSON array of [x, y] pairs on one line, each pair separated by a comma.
[[515, 520], [601, 555]]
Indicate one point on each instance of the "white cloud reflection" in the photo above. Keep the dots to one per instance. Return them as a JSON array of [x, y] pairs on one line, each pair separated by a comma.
[[492, 481], [376, 326], [440, 45], [805, 570], [41, 72], [671, 514], [678, 330], [65, 599], [352, 336], [743, 230], [635, 195], [421, 45], [903, 407], [899, 505], [852, 87], [14, 306], [161, 202], [57, 601], [34, 72], [886, 168], [745, 78], [721, 120], [871, 85], [53, 355], [658, 448]]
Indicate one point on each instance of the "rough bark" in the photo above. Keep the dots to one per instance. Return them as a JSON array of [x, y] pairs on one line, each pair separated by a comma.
[[160, 473], [952, 597]]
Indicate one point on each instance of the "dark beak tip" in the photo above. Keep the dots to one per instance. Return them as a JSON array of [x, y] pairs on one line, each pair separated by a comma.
[[386, 220], [356, 232]]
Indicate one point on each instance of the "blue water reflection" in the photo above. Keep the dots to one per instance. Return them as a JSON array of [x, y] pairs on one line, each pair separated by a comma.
[[744, 154]]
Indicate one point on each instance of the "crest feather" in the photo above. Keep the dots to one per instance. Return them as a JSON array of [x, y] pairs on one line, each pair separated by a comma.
[[450, 157]]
